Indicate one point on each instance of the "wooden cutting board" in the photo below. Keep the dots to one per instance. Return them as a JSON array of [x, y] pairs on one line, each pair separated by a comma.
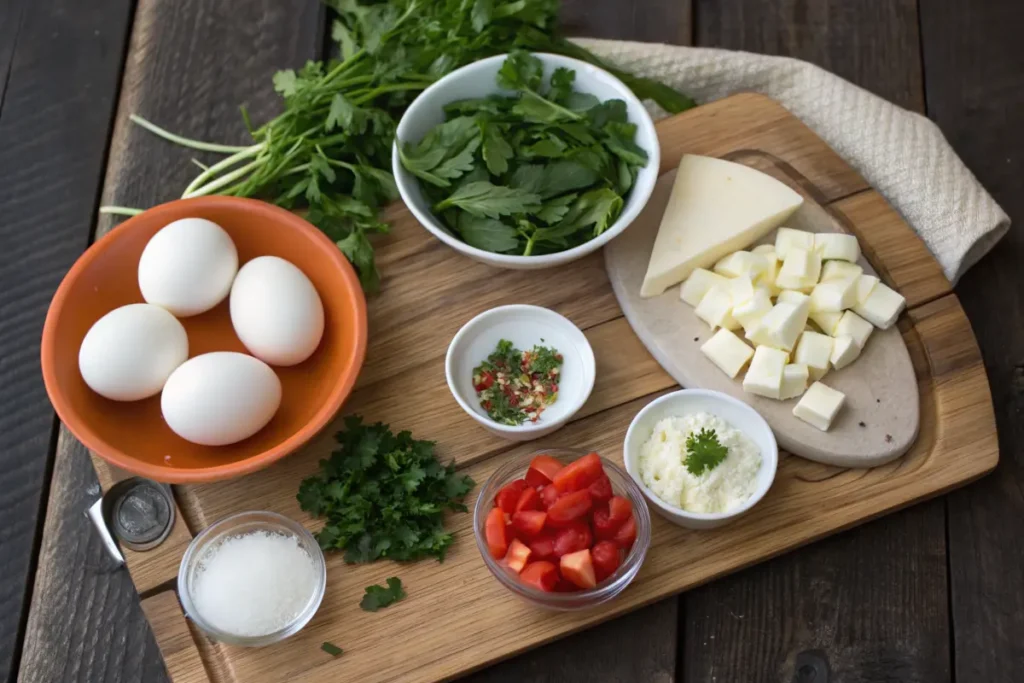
[[457, 617]]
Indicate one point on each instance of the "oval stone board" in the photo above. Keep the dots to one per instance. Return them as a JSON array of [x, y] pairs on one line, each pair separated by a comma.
[[880, 419]]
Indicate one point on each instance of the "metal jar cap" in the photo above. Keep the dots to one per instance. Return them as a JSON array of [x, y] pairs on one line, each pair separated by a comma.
[[140, 512]]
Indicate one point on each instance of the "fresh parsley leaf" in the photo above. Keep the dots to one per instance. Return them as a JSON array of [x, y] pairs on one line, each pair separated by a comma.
[[332, 649], [497, 152], [377, 597], [704, 452], [487, 233], [484, 199], [520, 71], [480, 15], [599, 208], [562, 80], [608, 111], [555, 209]]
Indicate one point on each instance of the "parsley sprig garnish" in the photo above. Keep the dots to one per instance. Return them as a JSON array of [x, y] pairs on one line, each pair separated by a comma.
[[704, 452]]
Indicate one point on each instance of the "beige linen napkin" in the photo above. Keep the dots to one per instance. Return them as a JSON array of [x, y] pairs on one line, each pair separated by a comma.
[[901, 154]]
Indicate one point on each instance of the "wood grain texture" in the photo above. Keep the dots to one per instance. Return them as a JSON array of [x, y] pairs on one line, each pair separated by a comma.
[[59, 61], [974, 67], [176, 638], [651, 21]]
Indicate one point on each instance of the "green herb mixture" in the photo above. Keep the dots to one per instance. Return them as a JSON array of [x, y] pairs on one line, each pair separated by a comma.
[[704, 452], [383, 495], [515, 386], [328, 152]]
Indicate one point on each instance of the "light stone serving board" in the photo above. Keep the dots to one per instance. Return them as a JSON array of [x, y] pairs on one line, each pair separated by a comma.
[[880, 419]]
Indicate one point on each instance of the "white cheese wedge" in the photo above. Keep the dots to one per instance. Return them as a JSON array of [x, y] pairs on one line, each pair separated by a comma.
[[750, 313], [716, 207], [741, 289], [836, 245], [800, 270], [882, 307], [826, 321], [764, 377], [794, 381], [697, 285], [715, 308], [727, 351], [852, 325], [788, 238], [780, 327], [814, 350], [833, 297], [840, 270], [819, 406], [741, 263], [865, 283], [844, 351]]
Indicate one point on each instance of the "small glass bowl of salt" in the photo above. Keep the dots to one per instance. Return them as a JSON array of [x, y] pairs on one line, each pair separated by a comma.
[[252, 579]]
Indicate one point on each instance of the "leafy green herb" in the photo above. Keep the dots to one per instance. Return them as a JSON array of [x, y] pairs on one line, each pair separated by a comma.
[[331, 649], [704, 452], [383, 495], [380, 596], [515, 386]]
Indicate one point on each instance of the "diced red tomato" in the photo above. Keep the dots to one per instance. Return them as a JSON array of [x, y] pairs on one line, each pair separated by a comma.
[[565, 586], [543, 469], [606, 559], [494, 532], [569, 508], [508, 496], [529, 499], [510, 531], [518, 554], [542, 575], [601, 490], [620, 509], [626, 534], [529, 523], [543, 547], [604, 527], [579, 474], [486, 380], [548, 496], [572, 539], [578, 568]]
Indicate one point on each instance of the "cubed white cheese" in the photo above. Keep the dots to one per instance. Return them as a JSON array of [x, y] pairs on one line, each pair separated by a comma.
[[715, 308], [741, 289], [788, 238], [814, 374], [740, 263], [836, 245], [840, 270], [794, 381], [882, 307], [852, 325], [791, 296], [766, 249], [833, 297], [826, 321], [865, 283], [697, 285], [764, 377], [844, 351], [814, 350], [800, 270], [750, 313], [727, 351], [780, 327], [819, 406]]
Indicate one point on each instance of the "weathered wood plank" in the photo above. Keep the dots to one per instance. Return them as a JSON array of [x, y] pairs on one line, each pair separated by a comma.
[[651, 21], [59, 67], [974, 68]]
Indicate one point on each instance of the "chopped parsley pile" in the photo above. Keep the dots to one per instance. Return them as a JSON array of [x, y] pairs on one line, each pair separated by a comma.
[[516, 386]]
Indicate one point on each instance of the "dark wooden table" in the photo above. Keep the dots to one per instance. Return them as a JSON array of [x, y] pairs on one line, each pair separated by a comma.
[[934, 593]]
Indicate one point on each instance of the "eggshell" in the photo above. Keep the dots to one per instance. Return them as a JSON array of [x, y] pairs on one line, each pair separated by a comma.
[[276, 311], [220, 398], [129, 353], [188, 267]]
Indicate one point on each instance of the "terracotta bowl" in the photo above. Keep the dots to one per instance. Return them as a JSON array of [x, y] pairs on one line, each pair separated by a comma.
[[133, 435]]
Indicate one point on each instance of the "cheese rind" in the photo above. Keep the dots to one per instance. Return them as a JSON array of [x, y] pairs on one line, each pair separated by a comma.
[[716, 207], [794, 381], [698, 284], [882, 306], [788, 238], [715, 308], [844, 351], [852, 325], [764, 377], [727, 351], [836, 245], [819, 406], [800, 270]]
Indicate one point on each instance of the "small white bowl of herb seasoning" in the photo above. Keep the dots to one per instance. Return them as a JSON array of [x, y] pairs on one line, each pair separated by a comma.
[[520, 371]]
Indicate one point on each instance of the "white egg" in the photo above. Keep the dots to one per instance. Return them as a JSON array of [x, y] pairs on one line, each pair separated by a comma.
[[188, 266], [276, 311], [219, 398], [130, 352]]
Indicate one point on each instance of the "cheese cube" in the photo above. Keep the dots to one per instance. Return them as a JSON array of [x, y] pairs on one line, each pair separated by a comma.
[[840, 270], [766, 249], [787, 238], [794, 381], [764, 377], [749, 313], [882, 306], [836, 245], [852, 325], [865, 283], [791, 296], [739, 263], [814, 374], [844, 351], [780, 327], [826, 321], [833, 297], [814, 350], [819, 406], [715, 308], [741, 289], [800, 270], [771, 272], [727, 351], [697, 285]]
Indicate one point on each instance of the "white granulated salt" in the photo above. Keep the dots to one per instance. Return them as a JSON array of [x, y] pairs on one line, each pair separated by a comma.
[[253, 584]]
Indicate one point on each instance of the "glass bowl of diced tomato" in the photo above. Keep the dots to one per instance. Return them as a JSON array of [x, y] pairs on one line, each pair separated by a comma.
[[562, 528]]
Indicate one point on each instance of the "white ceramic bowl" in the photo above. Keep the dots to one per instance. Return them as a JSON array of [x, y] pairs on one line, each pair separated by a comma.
[[478, 80], [524, 326], [736, 413]]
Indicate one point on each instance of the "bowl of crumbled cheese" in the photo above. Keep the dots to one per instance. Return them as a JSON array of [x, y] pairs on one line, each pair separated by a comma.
[[702, 458]]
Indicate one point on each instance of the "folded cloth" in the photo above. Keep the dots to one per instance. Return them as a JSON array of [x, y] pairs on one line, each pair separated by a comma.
[[901, 154]]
